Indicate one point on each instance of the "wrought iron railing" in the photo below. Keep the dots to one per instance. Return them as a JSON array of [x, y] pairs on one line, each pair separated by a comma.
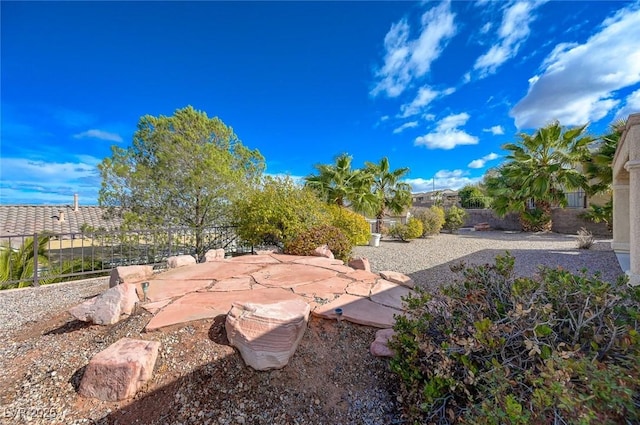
[[54, 257], [477, 202]]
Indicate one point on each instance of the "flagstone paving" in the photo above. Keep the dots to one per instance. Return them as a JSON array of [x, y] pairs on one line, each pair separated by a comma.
[[207, 290]]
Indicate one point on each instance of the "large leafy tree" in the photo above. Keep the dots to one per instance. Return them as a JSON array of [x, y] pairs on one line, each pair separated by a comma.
[[541, 169], [181, 170], [391, 194], [342, 185]]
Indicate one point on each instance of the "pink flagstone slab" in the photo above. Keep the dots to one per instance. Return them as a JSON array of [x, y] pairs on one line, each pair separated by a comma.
[[286, 258], [290, 275], [319, 261], [326, 289], [363, 275], [161, 289], [254, 259], [398, 278], [153, 308], [322, 262], [389, 294], [359, 310], [207, 305], [233, 284], [361, 289], [212, 270]]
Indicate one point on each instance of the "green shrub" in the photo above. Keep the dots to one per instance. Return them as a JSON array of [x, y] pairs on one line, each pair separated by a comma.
[[307, 241], [411, 230], [353, 225], [432, 220], [277, 212], [494, 349], [454, 219]]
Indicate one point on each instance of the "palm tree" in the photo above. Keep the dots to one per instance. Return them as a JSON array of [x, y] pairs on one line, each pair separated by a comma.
[[542, 169], [341, 185], [19, 264], [391, 194], [600, 173]]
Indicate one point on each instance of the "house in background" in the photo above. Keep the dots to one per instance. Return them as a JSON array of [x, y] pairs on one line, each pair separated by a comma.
[[626, 199], [445, 198], [69, 220]]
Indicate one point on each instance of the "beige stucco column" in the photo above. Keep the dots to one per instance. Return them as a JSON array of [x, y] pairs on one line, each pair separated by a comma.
[[633, 167], [621, 232]]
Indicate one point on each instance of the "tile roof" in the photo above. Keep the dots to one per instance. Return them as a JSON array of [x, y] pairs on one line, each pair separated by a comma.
[[30, 219]]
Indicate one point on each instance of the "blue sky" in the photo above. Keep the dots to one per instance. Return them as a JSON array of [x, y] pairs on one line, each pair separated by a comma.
[[435, 86]]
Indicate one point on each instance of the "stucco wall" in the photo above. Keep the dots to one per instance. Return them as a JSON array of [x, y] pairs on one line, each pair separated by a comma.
[[565, 220]]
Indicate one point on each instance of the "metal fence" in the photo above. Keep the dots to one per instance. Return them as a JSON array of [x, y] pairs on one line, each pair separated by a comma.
[[48, 258]]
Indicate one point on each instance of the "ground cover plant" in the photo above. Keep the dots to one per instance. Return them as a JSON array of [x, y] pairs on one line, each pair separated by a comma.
[[556, 348]]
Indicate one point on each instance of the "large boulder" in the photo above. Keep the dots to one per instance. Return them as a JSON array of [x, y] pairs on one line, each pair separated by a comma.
[[117, 372], [380, 347], [129, 274], [267, 335], [108, 307], [180, 261]]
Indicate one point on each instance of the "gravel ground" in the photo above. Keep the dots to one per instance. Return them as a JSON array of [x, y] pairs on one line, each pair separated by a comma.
[[427, 260], [200, 379]]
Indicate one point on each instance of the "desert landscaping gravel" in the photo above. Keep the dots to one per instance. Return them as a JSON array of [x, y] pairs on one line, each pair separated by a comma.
[[200, 379]]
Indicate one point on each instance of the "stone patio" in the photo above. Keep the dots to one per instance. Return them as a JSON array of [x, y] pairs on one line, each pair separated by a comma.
[[207, 290]]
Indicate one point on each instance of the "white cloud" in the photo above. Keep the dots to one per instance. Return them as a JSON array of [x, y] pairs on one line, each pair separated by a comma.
[[496, 130], [404, 126], [513, 31], [447, 135], [443, 179], [99, 134], [384, 117], [422, 100], [631, 105], [37, 182], [578, 82], [480, 162], [406, 59]]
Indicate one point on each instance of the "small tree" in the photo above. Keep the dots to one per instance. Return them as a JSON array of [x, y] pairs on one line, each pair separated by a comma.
[[390, 192], [471, 196], [277, 211], [541, 168], [182, 170]]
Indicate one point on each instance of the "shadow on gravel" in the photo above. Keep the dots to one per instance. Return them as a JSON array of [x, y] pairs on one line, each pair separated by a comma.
[[217, 331], [332, 378], [72, 326], [527, 263]]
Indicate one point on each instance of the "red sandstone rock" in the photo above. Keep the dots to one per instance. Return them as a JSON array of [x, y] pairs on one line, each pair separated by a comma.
[[359, 310], [117, 372], [267, 335], [323, 251], [360, 264], [389, 294], [480, 227], [129, 274], [214, 255], [380, 347], [398, 278], [106, 308], [180, 261]]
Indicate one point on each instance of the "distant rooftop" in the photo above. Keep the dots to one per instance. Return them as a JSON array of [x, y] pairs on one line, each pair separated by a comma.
[[30, 219]]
